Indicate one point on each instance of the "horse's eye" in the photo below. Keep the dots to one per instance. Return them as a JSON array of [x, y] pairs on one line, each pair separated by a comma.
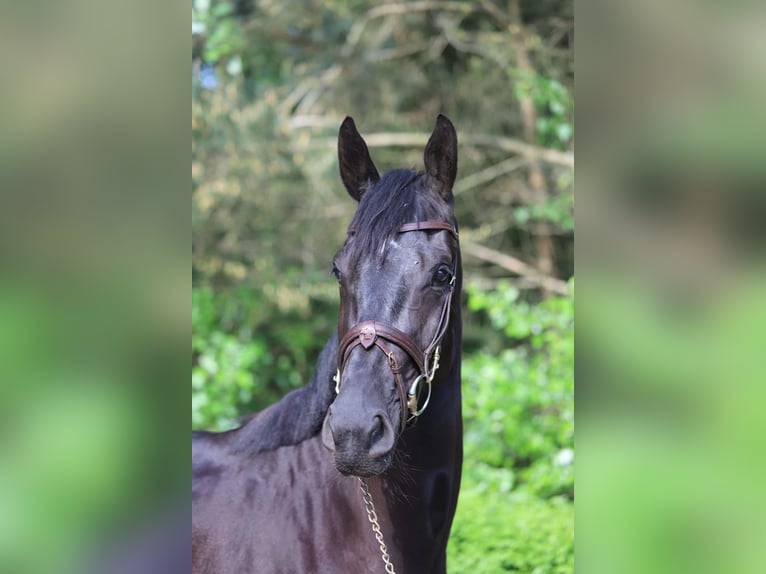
[[336, 272], [442, 275]]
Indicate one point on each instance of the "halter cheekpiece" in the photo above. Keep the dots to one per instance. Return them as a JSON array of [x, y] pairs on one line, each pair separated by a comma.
[[368, 334]]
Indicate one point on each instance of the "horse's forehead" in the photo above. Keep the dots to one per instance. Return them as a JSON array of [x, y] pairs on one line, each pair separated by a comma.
[[421, 243], [402, 249]]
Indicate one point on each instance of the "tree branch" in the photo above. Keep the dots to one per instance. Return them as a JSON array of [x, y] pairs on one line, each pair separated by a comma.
[[486, 175], [355, 34], [417, 139], [516, 266], [410, 139]]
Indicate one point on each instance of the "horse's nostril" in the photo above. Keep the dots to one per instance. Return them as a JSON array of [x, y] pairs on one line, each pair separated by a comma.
[[382, 437], [327, 434], [377, 430]]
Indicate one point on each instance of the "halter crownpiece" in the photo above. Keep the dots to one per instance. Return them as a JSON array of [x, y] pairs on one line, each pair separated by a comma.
[[373, 333]]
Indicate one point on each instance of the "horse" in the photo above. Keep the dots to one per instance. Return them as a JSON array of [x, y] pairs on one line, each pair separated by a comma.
[[358, 471]]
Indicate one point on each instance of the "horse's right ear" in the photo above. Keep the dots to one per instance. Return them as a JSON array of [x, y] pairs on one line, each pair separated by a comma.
[[356, 168]]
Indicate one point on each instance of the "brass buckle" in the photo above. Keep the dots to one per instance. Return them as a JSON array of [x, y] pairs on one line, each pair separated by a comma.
[[437, 355]]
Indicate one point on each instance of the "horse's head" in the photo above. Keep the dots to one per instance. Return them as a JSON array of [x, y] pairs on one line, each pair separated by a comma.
[[397, 272]]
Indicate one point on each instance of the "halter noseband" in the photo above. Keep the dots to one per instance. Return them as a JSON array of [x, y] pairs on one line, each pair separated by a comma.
[[373, 333]]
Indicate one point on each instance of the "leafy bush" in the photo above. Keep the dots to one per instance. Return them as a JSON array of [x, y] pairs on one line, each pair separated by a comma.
[[514, 512], [497, 532], [519, 402], [240, 366]]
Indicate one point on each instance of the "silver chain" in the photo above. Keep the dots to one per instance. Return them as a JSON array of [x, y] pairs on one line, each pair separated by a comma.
[[372, 516]]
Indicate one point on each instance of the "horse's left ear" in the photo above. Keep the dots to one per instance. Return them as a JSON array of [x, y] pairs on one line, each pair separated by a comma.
[[440, 158]]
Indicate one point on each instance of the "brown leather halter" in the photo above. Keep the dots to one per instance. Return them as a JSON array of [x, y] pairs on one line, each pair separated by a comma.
[[373, 333]]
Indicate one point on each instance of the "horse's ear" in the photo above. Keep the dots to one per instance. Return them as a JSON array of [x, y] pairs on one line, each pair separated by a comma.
[[356, 168], [440, 158]]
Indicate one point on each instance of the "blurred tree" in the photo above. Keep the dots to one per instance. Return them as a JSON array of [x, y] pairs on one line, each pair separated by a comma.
[[291, 70]]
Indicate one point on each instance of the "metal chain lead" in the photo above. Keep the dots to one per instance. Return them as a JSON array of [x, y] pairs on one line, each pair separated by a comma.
[[372, 516]]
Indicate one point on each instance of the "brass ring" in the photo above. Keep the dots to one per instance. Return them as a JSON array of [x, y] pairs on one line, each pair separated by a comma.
[[412, 402]]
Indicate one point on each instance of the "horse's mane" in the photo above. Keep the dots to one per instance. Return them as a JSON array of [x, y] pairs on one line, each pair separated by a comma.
[[297, 416], [399, 197]]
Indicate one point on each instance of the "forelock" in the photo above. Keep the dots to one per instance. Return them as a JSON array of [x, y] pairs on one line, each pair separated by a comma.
[[399, 197]]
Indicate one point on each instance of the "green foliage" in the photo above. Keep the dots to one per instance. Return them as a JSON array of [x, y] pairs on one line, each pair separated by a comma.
[[238, 365], [226, 38], [514, 512], [223, 378], [497, 532], [558, 209], [519, 402], [555, 107]]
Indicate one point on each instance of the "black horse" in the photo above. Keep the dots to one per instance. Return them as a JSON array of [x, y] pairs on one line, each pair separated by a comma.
[[374, 441]]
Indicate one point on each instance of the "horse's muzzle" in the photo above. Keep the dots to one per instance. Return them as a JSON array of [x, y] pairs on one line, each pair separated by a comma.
[[361, 444]]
